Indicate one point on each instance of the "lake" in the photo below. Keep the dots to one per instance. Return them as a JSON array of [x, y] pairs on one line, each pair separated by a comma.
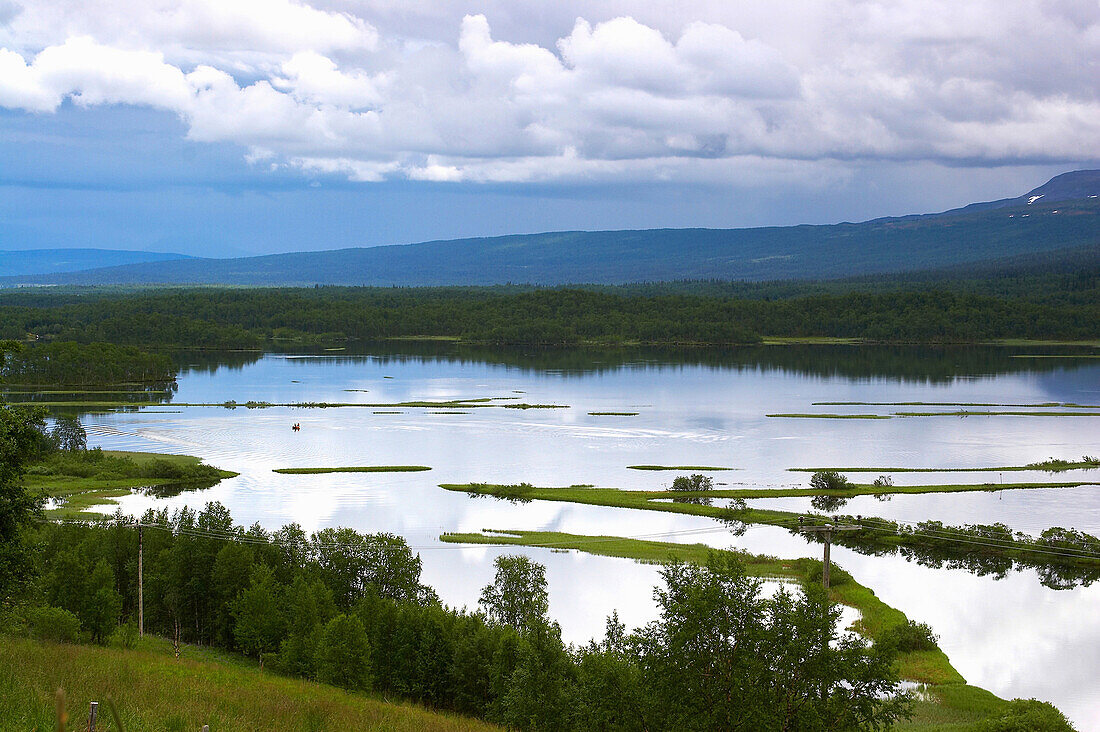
[[1011, 635]]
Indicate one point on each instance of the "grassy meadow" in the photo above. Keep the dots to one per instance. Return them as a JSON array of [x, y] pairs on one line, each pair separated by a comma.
[[153, 691]]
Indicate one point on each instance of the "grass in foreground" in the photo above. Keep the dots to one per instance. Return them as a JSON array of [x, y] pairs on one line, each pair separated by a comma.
[[153, 691], [354, 469]]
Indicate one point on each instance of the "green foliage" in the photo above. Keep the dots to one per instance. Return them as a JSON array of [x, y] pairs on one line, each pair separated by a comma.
[[100, 465], [721, 657], [22, 438], [816, 568], [539, 695], [518, 596], [125, 636], [89, 364], [308, 606], [610, 693], [716, 640], [52, 624], [909, 636], [101, 603], [1026, 715], [558, 317], [258, 624], [696, 482], [828, 480], [69, 434], [352, 562], [343, 654]]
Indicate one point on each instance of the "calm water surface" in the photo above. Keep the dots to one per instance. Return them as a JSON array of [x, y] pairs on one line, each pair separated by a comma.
[[1012, 636]]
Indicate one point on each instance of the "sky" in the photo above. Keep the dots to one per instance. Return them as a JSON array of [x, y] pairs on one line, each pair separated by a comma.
[[236, 127]]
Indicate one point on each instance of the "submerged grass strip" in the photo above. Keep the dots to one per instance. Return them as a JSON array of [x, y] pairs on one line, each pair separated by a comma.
[[1050, 466], [959, 413], [649, 499], [1042, 405], [613, 414], [354, 469], [969, 413], [797, 415], [699, 468]]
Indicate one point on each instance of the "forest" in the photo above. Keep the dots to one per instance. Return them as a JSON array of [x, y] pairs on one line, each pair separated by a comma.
[[234, 318], [86, 364]]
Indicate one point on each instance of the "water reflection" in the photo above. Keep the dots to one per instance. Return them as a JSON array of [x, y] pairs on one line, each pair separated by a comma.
[[694, 408]]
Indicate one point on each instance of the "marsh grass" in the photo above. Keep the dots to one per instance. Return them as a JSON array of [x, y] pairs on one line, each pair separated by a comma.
[[1042, 405], [1052, 465], [796, 415], [701, 468], [969, 413], [354, 469], [85, 479]]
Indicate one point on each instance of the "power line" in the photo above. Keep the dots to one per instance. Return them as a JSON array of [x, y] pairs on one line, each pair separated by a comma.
[[228, 535], [960, 537]]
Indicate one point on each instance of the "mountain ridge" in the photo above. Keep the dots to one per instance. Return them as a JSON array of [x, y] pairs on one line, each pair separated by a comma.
[[22, 262], [1040, 221]]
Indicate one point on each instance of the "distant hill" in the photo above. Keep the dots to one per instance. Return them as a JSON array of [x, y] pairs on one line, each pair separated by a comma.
[[52, 261], [1073, 186], [1060, 215]]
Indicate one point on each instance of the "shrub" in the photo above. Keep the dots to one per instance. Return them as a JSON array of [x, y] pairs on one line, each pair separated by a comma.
[[125, 636], [837, 576], [53, 624], [343, 654], [1027, 715], [695, 482], [828, 480], [910, 636]]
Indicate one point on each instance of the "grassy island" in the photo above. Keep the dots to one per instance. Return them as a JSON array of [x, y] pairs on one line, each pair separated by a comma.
[[77, 481]]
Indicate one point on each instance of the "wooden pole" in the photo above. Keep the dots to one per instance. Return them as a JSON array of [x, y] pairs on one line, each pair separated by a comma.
[[141, 583], [826, 531], [91, 716]]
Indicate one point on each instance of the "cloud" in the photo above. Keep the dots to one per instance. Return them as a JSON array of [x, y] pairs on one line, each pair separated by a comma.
[[630, 93]]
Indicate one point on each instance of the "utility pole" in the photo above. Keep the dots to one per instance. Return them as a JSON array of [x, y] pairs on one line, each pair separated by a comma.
[[141, 583], [826, 531]]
